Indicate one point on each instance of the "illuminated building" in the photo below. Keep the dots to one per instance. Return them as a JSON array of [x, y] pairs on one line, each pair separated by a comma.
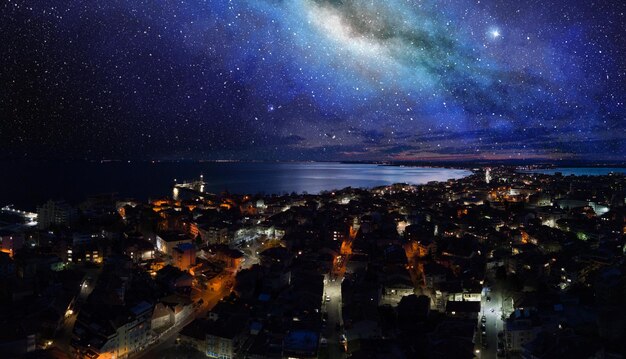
[[113, 333], [216, 234], [171, 311], [184, 256], [11, 241], [138, 250], [85, 252], [167, 241]]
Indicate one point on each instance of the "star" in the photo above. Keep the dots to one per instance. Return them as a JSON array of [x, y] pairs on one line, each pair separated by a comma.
[[267, 79]]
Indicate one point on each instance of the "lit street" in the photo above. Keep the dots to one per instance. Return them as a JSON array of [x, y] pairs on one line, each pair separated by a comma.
[[314, 179], [166, 340], [210, 298], [87, 285], [221, 287], [332, 289], [491, 311]]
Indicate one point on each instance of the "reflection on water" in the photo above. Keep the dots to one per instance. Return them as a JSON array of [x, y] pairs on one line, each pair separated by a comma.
[[580, 171], [33, 183]]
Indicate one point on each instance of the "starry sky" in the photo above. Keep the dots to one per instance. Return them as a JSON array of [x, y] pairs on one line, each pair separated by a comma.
[[313, 79]]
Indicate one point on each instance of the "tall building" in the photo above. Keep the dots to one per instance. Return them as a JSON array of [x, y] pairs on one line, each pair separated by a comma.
[[184, 256], [487, 175], [216, 234], [56, 213]]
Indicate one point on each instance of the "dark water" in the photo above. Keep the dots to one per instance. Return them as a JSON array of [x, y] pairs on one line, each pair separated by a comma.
[[27, 184], [580, 171]]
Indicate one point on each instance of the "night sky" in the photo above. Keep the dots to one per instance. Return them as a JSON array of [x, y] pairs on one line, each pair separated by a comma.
[[313, 79]]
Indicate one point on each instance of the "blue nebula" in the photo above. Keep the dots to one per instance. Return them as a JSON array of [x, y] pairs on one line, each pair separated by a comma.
[[316, 79]]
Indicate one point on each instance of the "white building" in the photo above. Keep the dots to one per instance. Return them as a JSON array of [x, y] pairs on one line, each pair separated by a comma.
[[216, 235], [172, 311], [118, 337], [167, 241]]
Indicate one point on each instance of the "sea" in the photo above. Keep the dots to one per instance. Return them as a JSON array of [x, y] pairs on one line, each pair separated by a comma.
[[579, 171], [28, 184]]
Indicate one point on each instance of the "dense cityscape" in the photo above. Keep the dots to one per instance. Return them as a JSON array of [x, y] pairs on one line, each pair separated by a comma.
[[299, 179], [500, 264]]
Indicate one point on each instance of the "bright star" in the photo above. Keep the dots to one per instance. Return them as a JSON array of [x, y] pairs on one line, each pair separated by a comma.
[[495, 33]]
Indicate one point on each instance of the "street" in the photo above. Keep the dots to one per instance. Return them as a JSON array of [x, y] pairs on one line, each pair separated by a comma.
[[166, 340], [209, 297], [87, 285], [492, 311], [332, 289], [220, 287]]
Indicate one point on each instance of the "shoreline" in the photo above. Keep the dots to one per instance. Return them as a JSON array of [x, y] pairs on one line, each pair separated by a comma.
[[469, 164]]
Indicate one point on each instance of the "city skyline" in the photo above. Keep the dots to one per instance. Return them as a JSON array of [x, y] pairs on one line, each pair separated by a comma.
[[313, 80], [312, 179], [495, 263]]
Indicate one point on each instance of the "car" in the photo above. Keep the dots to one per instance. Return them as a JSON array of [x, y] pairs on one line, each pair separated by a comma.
[[328, 298], [483, 319], [500, 334], [489, 299]]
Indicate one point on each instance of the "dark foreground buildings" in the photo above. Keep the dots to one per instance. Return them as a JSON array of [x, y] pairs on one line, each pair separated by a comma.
[[499, 265]]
